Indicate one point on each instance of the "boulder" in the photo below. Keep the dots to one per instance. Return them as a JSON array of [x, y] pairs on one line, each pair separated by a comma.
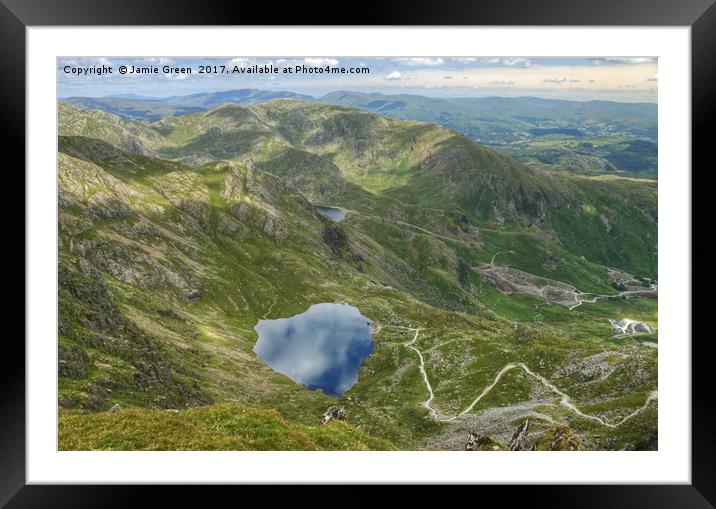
[[334, 413], [477, 442]]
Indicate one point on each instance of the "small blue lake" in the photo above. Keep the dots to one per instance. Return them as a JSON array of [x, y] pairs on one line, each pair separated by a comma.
[[332, 213], [321, 348]]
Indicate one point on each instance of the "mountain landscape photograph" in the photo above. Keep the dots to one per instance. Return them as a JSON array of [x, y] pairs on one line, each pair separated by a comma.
[[410, 253]]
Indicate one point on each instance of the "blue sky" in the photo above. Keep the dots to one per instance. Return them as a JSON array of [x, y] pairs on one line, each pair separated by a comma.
[[610, 78]]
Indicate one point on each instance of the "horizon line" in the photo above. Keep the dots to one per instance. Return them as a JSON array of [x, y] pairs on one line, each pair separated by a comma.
[[159, 98]]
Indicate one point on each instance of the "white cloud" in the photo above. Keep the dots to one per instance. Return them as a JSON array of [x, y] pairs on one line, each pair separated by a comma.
[[464, 60], [316, 347], [625, 60], [653, 78], [420, 61], [159, 60], [511, 61], [561, 79], [395, 75], [502, 83], [239, 61], [318, 62], [521, 62], [246, 62], [447, 77], [88, 61]]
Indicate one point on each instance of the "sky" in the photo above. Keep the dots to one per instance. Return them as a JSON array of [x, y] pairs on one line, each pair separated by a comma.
[[627, 79]]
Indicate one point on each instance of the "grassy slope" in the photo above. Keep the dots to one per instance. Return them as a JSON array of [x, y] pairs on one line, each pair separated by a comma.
[[220, 427]]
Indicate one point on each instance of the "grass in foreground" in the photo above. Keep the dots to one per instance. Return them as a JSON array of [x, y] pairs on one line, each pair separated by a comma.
[[223, 426]]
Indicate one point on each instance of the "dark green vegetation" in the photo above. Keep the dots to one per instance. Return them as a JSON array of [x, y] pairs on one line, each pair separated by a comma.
[[177, 236]]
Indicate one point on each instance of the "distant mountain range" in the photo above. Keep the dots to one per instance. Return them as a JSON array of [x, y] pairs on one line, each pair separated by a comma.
[[636, 118], [153, 108], [582, 136]]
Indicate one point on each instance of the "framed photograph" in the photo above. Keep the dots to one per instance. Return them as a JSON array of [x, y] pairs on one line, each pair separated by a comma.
[[355, 254]]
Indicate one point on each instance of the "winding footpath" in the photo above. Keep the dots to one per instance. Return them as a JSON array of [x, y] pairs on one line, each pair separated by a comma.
[[565, 400], [425, 403]]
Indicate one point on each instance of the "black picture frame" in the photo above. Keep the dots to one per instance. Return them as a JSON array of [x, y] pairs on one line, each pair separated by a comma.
[[16, 15]]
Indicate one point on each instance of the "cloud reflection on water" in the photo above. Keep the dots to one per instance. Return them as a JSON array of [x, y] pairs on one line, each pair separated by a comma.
[[322, 347]]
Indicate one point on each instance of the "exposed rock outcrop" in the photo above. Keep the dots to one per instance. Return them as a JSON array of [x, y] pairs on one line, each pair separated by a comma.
[[72, 361], [520, 439]]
